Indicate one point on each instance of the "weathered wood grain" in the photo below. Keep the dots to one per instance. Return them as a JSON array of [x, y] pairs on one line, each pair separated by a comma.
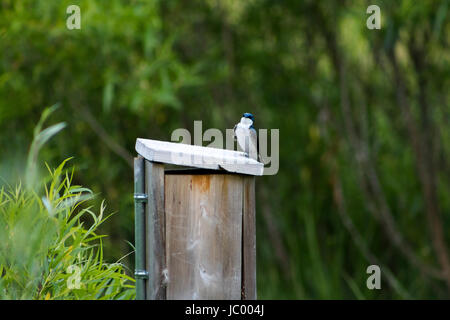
[[198, 156], [139, 226], [204, 235], [155, 235], [249, 240]]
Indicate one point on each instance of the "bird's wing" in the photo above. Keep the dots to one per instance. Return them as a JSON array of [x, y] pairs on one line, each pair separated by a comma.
[[247, 140], [253, 145], [234, 131]]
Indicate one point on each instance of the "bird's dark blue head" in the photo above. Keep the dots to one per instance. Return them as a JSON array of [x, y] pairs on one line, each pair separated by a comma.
[[249, 116]]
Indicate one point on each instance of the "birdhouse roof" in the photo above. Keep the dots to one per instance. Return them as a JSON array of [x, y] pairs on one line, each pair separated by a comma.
[[198, 156]]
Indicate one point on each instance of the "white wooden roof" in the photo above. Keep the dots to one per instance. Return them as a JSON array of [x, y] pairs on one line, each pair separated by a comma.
[[198, 156]]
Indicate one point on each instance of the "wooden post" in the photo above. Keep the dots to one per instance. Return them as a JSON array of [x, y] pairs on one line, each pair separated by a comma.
[[199, 223], [249, 240], [139, 228], [155, 243], [204, 234]]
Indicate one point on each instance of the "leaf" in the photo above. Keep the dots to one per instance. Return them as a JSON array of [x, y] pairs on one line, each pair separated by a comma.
[[46, 134], [45, 114], [36, 145]]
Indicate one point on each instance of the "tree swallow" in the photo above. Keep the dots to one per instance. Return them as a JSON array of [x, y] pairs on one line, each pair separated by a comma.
[[246, 136]]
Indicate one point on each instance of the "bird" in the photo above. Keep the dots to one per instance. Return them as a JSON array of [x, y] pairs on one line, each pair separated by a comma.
[[245, 134]]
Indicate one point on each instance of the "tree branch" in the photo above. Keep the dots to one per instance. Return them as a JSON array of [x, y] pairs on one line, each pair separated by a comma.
[[368, 176], [421, 145], [339, 200], [105, 137]]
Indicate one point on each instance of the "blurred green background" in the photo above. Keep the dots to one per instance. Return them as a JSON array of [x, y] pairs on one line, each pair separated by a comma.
[[364, 119]]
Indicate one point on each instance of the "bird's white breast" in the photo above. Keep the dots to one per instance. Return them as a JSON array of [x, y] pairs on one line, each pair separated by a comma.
[[245, 122], [246, 138]]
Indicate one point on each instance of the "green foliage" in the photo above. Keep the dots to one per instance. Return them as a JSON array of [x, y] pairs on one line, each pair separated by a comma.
[[48, 247], [39, 139], [47, 242], [309, 68]]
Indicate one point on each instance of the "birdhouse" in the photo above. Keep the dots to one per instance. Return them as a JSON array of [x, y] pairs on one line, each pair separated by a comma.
[[194, 222]]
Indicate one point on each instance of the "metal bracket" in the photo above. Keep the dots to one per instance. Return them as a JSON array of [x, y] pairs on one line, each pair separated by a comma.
[[140, 197], [141, 274]]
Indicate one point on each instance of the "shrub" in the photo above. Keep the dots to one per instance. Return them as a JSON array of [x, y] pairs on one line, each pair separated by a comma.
[[46, 249]]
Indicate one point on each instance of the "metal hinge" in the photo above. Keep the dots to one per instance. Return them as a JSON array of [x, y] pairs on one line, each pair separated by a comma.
[[141, 274], [140, 197]]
